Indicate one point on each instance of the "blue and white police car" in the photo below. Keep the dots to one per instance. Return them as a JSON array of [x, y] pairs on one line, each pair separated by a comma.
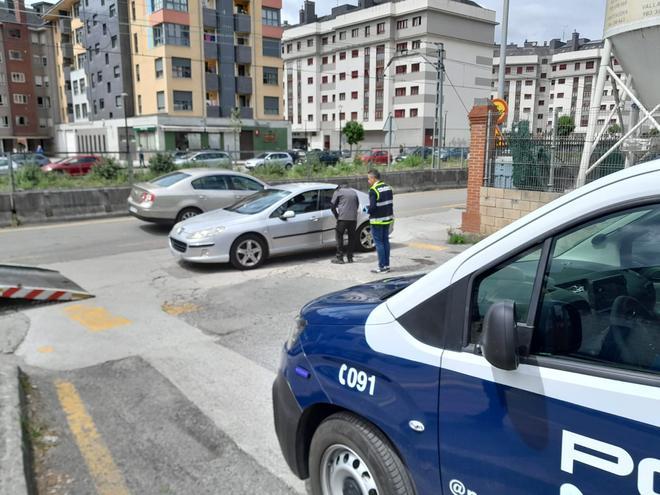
[[528, 364]]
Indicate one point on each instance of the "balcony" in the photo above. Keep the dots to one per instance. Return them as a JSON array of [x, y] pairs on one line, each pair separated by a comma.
[[210, 50], [65, 26], [242, 23], [209, 17], [213, 111], [243, 85], [246, 113], [212, 82], [67, 50], [243, 54]]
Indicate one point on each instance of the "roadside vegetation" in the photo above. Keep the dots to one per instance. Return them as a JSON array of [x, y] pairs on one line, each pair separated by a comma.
[[110, 174]]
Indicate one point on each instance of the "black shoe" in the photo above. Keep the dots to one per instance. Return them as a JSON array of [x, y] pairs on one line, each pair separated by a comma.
[[338, 261], [350, 260]]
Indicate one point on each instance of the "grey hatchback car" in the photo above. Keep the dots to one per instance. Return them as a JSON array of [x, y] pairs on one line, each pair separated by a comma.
[[185, 193]]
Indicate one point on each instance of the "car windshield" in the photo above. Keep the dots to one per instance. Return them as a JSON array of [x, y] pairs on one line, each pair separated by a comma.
[[258, 202], [169, 179], [263, 155]]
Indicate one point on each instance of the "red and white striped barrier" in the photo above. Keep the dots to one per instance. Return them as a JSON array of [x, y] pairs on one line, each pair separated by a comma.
[[34, 294], [31, 283]]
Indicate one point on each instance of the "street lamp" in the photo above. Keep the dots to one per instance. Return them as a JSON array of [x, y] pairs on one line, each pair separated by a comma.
[[340, 110], [129, 164]]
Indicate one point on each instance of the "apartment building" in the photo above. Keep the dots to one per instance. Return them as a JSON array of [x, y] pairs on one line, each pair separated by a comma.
[[367, 62], [27, 78], [552, 80], [184, 74]]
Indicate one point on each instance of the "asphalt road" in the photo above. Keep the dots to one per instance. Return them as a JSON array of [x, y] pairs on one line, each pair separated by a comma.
[[161, 383]]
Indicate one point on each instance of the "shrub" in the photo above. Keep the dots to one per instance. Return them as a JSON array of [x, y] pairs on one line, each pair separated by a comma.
[[271, 170], [161, 163], [30, 176], [107, 169]]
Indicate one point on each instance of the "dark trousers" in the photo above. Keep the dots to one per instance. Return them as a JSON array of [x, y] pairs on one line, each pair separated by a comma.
[[381, 235], [345, 226]]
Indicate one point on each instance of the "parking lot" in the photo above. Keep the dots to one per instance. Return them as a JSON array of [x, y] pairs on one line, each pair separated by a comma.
[[163, 378]]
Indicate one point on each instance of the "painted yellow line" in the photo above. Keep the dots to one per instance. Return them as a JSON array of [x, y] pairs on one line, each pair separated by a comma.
[[424, 245], [12, 230], [107, 478], [45, 349], [179, 309], [94, 319]]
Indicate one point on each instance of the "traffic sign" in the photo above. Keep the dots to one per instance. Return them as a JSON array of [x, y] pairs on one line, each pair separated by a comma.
[[502, 109]]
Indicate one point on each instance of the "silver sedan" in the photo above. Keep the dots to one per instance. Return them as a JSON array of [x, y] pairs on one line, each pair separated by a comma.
[[185, 193], [287, 219]]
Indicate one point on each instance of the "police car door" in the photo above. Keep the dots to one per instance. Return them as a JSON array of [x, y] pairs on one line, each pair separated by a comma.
[[580, 413]]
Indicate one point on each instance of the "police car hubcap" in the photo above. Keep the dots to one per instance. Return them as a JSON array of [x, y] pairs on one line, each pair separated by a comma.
[[343, 472], [365, 238], [249, 253]]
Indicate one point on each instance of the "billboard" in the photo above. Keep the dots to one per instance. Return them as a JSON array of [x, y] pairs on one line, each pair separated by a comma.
[[628, 15]]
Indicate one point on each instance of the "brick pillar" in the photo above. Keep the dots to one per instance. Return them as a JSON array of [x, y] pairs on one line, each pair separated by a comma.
[[478, 134]]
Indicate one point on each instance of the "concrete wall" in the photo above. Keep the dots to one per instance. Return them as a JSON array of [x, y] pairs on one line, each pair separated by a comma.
[[78, 204], [500, 207]]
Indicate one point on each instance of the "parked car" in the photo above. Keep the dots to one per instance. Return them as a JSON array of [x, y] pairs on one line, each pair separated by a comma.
[[287, 219], [296, 155], [31, 158], [380, 157], [271, 158], [420, 151], [325, 157], [207, 158], [345, 153], [4, 165], [175, 155], [76, 165], [447, 153], [185, 193], [527, 364]]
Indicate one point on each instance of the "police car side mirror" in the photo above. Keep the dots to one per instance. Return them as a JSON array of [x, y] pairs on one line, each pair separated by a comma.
[[288, 214], [500, 336]]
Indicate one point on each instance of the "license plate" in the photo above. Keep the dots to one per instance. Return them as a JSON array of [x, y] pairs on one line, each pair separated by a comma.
[[132, 209]]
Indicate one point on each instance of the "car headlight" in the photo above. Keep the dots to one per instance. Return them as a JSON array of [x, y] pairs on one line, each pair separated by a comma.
[[206, 233], [295, 332]]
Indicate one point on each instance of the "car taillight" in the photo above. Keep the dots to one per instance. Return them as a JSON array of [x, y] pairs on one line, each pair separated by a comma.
[[147, 198]]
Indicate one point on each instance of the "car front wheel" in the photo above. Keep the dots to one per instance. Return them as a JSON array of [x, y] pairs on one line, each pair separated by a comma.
[[248, 252], [349, 455], [364, 237]]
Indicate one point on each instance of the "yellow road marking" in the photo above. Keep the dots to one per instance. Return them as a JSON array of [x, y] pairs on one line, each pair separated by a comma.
[[107, 478], [45, 349], [424, 245], [179, 309], [95, 319]]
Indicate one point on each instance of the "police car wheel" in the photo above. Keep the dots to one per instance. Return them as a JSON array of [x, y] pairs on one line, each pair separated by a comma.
[[247, 252], [365, 240], [339, 452]]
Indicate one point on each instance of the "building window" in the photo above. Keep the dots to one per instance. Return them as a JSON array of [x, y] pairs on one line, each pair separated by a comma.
[[101, 103], [544, 75], [135, 42], [342, 76], [310, 61], [528, 97], [416, 44], [324, 61], [577, 65], [270, 17], [562, 66], [108, 87], [342, 56], [529, 68], [554, 68], [113, 41], [310, 99], [271, 76], [324, 117], [355, 53], [417, 21], [20, 99], [182, 100], [367, 31], [590, 65], [139, 99], [324, 80], [380, 28], [178, 5], [542, 89], [21, 121], [414, 67], [75, 87], [541, 103], [15, 33], [271, 105], [561, 81], [18, 77], [400, 92], [115, 71], [402, 24], [519, 70], [507, 70], [354, 95], [181, 68], [15, 55], [137, 72], [399, 114], [310, 42], [270, 47], [298, 46], [342, 96], [401, 47], [355, 33], [118, 101], [354, 74], [158, 66], [310, 80], [171, 34], [413, 112], [560, 95], [112, 10], [414, 90], [401, 69], [160, 100]]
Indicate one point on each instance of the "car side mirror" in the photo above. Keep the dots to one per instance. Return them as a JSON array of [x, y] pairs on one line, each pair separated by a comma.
[[288, 214], [500, 336]]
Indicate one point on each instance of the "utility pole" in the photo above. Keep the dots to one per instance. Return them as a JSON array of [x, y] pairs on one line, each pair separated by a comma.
[[503, 43], [389, 138], [437, 123]]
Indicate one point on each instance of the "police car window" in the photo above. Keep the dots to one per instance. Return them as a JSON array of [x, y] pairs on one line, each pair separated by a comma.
[[210, 182], [601, 297], [240, 183], [326, 197], [306, 202], [512, 281]]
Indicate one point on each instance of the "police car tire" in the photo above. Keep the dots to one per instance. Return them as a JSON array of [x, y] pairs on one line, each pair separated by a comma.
[[233, 255], [369, 443], [358, 236]]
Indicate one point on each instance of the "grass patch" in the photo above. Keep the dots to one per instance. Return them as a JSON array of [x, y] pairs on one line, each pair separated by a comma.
[[458, 237]]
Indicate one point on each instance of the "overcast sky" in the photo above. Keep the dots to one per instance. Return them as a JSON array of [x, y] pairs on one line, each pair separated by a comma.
[[535, 20]]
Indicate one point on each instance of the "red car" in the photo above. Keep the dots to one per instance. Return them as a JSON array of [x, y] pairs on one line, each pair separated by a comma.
[[76, 165], [376, 156]]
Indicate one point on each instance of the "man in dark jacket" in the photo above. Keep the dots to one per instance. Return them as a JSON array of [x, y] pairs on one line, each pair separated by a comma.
[[381, 217], [344, 205]]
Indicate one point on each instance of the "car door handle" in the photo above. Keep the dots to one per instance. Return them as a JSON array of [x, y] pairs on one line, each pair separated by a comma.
[[315, 219], [201, 196], [238, 196]]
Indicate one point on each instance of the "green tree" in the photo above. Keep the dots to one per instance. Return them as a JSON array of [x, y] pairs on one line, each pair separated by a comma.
[[354, 133], [614, 129], [565, 125]]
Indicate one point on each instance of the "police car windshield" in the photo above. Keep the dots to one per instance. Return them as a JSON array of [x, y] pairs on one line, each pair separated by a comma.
[[258, 202]]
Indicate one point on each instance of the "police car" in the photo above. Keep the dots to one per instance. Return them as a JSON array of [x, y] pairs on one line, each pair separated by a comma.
[[528, 364]]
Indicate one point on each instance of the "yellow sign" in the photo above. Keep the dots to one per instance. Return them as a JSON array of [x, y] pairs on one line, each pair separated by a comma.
[[502, 109]]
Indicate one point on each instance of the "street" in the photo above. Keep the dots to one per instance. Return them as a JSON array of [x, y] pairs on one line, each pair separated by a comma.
[[161, 383]]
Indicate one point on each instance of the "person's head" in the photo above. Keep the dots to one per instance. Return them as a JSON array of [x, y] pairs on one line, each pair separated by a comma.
[[373, 176]]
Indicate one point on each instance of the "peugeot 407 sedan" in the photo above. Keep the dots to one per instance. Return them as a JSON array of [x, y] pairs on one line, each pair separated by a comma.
[[287, 219], [186, 193]]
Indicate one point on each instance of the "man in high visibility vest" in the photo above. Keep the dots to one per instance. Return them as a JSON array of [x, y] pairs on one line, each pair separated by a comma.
[[381, 217]]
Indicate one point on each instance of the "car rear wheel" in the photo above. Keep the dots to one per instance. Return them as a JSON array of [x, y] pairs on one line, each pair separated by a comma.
[[364, 237], [248, 252], [288, 166], [348, 455], [187, 213]]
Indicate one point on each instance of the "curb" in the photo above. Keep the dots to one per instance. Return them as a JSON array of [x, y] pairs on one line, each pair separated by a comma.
[[12, 463]]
